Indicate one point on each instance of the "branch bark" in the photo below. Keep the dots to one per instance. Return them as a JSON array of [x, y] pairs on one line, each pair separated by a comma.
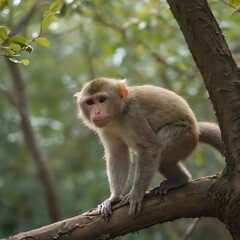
[[222, 79], [191, 200], [216, 64]]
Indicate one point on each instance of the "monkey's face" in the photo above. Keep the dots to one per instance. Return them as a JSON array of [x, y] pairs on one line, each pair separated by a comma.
[[100, 101], [97, 107]]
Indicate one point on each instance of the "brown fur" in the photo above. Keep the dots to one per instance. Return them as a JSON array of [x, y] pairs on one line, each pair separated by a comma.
[[157, 123]]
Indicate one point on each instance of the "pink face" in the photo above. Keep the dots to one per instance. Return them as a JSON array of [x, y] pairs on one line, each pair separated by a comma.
[[97, 108]]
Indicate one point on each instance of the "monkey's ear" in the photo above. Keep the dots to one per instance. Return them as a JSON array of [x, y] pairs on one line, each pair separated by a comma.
[[122, 88], [77, 96]]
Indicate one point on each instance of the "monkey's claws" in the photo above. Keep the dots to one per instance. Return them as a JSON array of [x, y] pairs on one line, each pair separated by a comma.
[[135, 202], [167, 185], [163, 188], [105, 208]]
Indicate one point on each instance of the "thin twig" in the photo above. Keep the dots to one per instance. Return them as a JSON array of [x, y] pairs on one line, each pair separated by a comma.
[[9, 95], [230, 5], [190, 229], [98, 16], [24, 21]]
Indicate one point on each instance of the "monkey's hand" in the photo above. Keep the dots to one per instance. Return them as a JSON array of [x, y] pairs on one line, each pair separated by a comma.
[[135, 201], [105, 208]]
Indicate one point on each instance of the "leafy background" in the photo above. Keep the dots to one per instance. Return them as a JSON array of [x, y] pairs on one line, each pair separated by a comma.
[[136, 40]]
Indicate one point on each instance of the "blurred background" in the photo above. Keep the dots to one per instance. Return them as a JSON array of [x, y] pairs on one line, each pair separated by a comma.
[[136, 40]]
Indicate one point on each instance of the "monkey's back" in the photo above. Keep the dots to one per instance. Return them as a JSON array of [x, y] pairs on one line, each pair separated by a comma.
[[161, 106]]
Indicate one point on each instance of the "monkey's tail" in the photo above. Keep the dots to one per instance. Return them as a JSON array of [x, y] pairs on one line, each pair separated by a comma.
[[210, 134]]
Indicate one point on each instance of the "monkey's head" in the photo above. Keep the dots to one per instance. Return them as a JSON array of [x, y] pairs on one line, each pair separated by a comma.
[[100, 101]]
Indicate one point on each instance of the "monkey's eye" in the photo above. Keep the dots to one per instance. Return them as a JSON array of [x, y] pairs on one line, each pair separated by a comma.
[[90, 102], [102, 99]]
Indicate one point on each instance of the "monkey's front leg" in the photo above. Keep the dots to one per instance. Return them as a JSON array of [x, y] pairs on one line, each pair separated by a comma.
[[118, 160], [145, 170]]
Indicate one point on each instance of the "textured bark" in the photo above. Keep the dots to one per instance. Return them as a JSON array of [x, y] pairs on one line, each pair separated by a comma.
[[216, 64], [222, 79], [191, 200]]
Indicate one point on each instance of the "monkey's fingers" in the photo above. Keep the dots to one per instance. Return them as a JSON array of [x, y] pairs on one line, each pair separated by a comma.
[[163, 188], [105, 209], [132, 208], [135, 205], [126, 198], [168, 185]]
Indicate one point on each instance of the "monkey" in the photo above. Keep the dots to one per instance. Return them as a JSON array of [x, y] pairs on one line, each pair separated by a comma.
[[156, 123]]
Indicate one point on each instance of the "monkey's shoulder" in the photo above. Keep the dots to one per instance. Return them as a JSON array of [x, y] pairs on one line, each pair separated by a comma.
[[153, 97], [149, 91]]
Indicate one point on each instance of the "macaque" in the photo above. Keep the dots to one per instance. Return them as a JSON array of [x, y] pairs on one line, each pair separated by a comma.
[[156, 123]]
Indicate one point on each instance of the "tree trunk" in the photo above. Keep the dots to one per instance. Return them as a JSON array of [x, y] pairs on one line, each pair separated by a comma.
[[222, 79], [42, 168]]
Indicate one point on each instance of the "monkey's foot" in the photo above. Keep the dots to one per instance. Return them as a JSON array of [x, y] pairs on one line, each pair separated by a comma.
[[168, 185], [105, 208], [135, 202]]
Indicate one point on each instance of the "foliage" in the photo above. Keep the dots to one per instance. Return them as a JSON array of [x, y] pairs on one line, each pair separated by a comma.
[[13, 46], [136, 40]]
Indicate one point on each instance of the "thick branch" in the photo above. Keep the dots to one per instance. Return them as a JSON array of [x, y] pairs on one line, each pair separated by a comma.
[[99, 17], [188, 201]]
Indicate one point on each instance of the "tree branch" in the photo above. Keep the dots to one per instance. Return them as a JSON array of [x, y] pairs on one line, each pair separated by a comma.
[[24, 21], [123, 31], [190, 200], [8, 94]]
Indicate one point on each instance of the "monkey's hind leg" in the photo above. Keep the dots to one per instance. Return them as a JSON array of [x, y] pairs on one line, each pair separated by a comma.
[[177, 175], [177, 142]]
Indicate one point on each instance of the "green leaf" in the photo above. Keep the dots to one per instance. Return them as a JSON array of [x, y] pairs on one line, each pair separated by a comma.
[[6, 43], [42, 41], [25, 62], [3, 33], [56, 6], [236, 3], [3, 3], [47, 21], [47, 12], [15, 47], [18, 39], [6, 51]]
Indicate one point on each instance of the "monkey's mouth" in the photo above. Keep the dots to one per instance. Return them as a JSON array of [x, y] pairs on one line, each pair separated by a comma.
[[101, 122]]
